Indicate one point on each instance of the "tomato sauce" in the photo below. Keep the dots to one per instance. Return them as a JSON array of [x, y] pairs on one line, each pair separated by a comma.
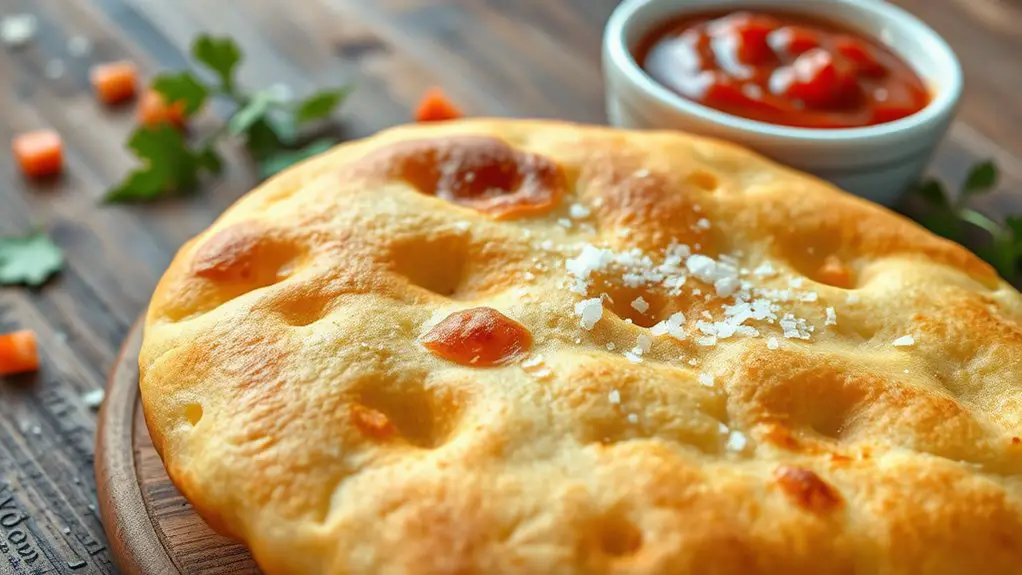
[[782, 69]]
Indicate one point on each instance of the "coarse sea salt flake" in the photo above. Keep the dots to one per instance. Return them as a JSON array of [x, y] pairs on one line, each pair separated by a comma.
[[633, 418], [672, 326], [723, 429], [736, 441], [640, 305], [633, 357], [610, 346], [703, 224], [614, 397], [643, 343], [764, 269], [578, 211], [772, 343], [589, 312], [706, 379], [905, 341], [831, 317], [564, 222]]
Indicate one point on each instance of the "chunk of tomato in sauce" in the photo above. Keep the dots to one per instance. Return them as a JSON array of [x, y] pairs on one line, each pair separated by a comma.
[[861, 55], [791, 41], [816, 78], [478, 337], [748, 33]]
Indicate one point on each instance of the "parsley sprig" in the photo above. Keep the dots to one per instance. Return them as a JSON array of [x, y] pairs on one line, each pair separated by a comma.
[[29, 260], [268, 122], [951, 217]]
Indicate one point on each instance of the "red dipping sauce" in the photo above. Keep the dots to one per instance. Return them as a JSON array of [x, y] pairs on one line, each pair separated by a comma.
[[782, 69]]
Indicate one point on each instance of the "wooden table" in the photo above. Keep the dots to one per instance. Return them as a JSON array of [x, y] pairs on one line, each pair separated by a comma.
[[497, 57]]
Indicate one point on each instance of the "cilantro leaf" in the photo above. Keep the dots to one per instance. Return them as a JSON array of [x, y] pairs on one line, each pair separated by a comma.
[[221, 55], [943, 223], [1014, 224], [321, 104], [933, 192], [262, 140], [209, 159], [168, 165], [981, 179], [184, 88], [252, 112], [142, 184], [279, 161], [29, 260]]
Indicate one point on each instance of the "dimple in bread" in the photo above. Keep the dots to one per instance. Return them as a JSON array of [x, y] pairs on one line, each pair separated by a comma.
[[517, 347]]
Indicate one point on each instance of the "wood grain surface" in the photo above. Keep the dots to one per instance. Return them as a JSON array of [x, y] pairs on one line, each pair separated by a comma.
[[496, 57]]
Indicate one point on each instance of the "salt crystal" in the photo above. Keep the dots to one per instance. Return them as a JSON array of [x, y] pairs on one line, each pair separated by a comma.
[[610, 346], [615, 397], [706, 379], [702, 224], [632, 357], [723, 429], [640, 305], [564, 222], [578, 211], [589, 311], [633, 418], [736, 441], [772, 343], [672, 326], [905, 341], [643, 343], [462, 225], [831, 317], [529, 276]]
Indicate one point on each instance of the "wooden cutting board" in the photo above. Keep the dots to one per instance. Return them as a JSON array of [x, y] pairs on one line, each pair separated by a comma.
[[152, 529]]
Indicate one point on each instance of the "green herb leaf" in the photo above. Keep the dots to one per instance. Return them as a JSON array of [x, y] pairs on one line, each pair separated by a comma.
[[209, 159], [981, 179], [29, 260], [253, 112], [221, 55], [933, 192], [943, 223], [142, 184], [279, 161], [321, 104], [261, 140], [184, 88], [169, 166], [1014, 224]]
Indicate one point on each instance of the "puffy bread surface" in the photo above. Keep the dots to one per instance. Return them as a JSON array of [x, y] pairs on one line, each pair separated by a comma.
[[733, 367]]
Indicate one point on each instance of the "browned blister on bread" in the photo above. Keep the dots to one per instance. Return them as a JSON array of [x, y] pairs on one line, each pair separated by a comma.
[[521, 347]]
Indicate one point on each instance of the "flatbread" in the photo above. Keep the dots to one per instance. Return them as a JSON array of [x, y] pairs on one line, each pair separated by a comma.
[[521, 347]]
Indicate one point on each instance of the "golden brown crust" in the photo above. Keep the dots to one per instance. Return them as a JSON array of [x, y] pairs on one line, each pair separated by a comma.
[[841, 394]]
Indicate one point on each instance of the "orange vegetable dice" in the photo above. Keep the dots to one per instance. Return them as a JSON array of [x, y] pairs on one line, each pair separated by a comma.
[[114, 82], [19, 352], [39, 154], [153, 111], [436, 107]]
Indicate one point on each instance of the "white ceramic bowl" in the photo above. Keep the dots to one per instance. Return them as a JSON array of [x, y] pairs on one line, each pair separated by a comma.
[[876, 162]]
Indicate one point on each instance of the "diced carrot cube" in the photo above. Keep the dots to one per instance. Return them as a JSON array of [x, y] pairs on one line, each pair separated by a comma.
[[39, 154], [114, 81], [436, 107], [19, 352], [154, 111]]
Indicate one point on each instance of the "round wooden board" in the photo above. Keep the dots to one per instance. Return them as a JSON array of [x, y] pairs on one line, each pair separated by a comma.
[[152, 528]]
